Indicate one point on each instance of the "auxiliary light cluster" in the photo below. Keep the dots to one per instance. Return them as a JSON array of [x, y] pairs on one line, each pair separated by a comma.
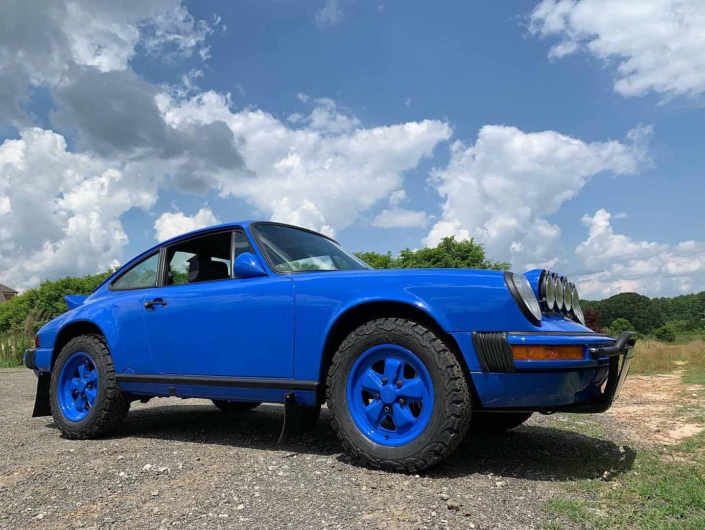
[[558, 296]]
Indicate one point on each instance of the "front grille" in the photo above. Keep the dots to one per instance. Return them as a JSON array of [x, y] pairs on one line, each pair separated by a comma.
[[493, 352]]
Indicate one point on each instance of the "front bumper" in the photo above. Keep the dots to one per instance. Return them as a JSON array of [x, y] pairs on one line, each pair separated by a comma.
[[586, 386], [620, 358]]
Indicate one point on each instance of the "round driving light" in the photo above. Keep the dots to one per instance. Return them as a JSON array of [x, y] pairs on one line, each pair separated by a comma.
[[559, 294], [568, 296], [550, 291], [575, 297]]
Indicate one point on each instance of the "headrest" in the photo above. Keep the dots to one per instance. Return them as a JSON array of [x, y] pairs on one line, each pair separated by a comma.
[[204, 269]]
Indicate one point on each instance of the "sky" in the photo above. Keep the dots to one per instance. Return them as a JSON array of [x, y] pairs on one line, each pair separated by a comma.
[[566, 134]]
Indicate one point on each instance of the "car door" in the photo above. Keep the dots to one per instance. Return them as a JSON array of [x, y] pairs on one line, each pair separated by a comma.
[[203, 321], [128, 341]]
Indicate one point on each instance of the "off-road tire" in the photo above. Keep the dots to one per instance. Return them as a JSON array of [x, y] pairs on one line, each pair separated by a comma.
[[235, 407], [111, 404], [497, 422], [451, 406]]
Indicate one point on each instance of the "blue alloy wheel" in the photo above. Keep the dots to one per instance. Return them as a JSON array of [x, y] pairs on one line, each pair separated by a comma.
[[78, 387], [390, 395]]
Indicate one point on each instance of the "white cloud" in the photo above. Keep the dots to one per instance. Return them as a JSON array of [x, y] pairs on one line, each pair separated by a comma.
[[500, 190], [401, 218], [658, 44], [65, 208], [42, 43], [330, 14], [172, 224], [320, 177], [616, 263]]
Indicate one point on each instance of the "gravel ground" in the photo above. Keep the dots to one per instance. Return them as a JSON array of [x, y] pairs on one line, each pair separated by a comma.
[[178, 464]]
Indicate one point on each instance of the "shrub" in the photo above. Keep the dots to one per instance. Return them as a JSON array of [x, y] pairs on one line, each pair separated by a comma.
[[619, 326], [665, 334]]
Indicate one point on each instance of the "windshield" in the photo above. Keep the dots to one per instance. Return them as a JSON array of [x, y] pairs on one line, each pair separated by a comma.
[[293, 250]]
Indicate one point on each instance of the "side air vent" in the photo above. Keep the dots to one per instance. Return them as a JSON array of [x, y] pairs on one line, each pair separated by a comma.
[[493, 352]]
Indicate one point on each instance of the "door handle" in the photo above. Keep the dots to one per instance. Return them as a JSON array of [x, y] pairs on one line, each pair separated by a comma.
[[150, 304]]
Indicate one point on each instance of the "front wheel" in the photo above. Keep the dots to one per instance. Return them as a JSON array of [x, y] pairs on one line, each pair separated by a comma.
[[85, 399], [398, 396]]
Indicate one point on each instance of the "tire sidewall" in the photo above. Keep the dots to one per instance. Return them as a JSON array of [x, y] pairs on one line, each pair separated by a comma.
[[75, 346], [426, 357]]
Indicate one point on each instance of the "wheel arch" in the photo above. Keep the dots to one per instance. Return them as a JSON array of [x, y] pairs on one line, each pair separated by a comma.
[[355, 316], [72, 330]]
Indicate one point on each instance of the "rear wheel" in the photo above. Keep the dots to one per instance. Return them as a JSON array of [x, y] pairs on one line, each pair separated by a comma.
[[398, 396], [235, 407], [496, 422], [85, 399]]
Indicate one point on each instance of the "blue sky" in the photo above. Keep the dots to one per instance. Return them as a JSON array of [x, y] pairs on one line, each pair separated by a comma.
[[558, 134]]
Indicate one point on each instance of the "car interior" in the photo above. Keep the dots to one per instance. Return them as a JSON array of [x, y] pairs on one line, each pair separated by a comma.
[[201, 259]]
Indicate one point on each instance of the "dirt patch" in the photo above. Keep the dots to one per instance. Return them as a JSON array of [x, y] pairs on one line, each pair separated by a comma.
[[651, 408]]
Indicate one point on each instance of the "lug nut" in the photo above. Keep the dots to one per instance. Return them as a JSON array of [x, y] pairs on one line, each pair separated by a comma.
[[399, 383], [386, 408], [376, 396], [384, 380], [401, 401]]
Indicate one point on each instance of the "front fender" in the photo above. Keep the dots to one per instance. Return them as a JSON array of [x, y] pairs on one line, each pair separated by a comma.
[[118, 318]]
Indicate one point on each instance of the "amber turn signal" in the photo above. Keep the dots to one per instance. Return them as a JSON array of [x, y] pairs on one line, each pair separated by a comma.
[[547, 353]]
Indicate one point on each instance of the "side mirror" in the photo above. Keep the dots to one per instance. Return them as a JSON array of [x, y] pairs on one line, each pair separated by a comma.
[[247, 265]]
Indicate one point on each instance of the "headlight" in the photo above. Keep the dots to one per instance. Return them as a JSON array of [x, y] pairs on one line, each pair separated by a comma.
[[568, 296], [559, 294], [524, 296], [577, 310]]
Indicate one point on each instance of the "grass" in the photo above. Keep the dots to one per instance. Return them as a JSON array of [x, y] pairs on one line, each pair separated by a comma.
[[664, 488], [654, 357], [656, 493], [12, 347]]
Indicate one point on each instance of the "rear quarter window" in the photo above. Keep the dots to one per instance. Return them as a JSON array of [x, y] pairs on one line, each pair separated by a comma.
[[141, 276]]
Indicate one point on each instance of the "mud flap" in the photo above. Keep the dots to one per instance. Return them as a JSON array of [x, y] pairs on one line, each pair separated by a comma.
[[297, 419], [41, 400]]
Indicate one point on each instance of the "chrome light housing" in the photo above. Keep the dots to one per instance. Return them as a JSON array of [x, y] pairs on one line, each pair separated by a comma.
[[555, 294], [560, 293], [547, 291], [568, 297], [577, 310], [524, 296]]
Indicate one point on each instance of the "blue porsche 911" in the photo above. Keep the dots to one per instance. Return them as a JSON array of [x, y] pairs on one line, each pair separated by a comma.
[[408, 361]]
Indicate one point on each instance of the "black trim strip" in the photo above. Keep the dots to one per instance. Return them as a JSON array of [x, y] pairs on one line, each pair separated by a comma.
[[227, 382]]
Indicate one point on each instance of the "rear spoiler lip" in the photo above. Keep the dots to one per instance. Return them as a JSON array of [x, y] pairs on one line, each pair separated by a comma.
[[74, 300]]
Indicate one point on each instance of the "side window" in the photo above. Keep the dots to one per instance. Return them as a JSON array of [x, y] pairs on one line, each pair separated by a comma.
[[202, 259], [142, 275], [242, 244]]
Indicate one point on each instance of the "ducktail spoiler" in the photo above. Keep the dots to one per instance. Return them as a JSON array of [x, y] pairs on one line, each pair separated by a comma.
[[74, 300]]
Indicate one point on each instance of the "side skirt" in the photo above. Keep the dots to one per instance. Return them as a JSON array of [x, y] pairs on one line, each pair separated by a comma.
[[225, 388]]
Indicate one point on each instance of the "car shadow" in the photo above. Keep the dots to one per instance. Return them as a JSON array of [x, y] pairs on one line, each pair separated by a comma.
[[529, 452]]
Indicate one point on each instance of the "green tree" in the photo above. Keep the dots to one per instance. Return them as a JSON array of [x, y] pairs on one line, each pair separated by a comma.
[[665, 334], [46, 300], [636, 308], [449, 254], [619, 326], [377, 261]]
